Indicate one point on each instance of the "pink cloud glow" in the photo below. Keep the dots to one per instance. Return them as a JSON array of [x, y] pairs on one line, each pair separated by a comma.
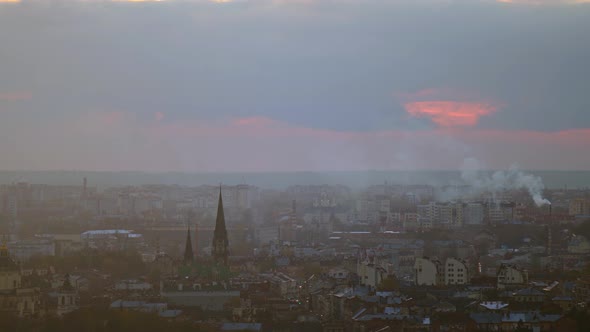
[[255, 121], [16, 96], [111, 118], [263, 144], [449, 113], [118, 141]]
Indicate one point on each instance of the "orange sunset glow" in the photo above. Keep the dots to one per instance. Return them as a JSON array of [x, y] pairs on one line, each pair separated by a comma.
[[449, 113]]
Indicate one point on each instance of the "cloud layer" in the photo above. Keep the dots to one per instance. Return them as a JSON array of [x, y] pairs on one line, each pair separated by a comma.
[[121, 141], [449, 113], [293, 85]]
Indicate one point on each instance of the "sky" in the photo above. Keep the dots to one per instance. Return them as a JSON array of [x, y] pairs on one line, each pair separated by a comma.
[[294, 85]]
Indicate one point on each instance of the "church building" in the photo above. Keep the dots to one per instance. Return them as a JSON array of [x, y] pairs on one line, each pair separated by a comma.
[[22, 302], [218, 267], [220, 246]]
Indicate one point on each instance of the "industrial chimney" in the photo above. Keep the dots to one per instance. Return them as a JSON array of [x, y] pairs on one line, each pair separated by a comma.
[[84, 186]]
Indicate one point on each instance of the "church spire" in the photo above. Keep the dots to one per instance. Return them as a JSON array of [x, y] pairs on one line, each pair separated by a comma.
[[188, 249], [220, 242]]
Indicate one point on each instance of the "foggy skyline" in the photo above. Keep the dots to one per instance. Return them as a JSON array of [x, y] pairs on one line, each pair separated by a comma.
[[294, 85]]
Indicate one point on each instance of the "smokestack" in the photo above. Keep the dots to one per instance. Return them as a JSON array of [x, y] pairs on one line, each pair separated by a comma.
[[549, 240], [196, 240], [294, 207], [84, 186]]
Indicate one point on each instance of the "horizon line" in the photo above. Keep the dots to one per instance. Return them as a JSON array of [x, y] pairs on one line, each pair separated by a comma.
[[285, 171]]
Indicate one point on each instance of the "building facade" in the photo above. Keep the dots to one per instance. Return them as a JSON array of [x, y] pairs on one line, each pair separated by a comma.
[[428, 272], [15, 299], [510, 276], [456, 272]]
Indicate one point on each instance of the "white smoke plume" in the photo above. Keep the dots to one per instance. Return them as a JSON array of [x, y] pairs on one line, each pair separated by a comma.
[[512, 179], [480, 182]]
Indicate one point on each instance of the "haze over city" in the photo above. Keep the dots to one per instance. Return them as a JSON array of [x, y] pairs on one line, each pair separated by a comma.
[[294, 165]]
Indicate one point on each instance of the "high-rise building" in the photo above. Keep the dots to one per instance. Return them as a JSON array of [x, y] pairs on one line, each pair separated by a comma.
[[441, 214], [84, 187], [473, 214], [243, 199], [579, 206], [427, 213], [498, 212], [450, 214], [11, 206], [220, 245]]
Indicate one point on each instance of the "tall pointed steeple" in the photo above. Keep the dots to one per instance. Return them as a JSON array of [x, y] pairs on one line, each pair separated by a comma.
[[220, 242], [188, 249]]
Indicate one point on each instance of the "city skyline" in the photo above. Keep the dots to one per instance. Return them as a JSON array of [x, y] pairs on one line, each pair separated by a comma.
[[294, 165]]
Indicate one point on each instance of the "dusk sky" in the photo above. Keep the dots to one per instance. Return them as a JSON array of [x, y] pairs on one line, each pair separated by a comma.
[[290, 85]]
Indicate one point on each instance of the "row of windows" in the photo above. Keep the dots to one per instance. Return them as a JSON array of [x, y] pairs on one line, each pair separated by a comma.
[[505, 279], [458, 281], [451, 269]]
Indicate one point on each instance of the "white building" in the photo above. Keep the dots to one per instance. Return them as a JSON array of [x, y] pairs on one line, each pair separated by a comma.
[[13, 298], [510, 276], [448, 215], [132, 285], [456, 272], [427, 213], [24, 250], [428, 272], [11, 206], [370, 274], [64, 300], [369, 269], [282, 284]]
